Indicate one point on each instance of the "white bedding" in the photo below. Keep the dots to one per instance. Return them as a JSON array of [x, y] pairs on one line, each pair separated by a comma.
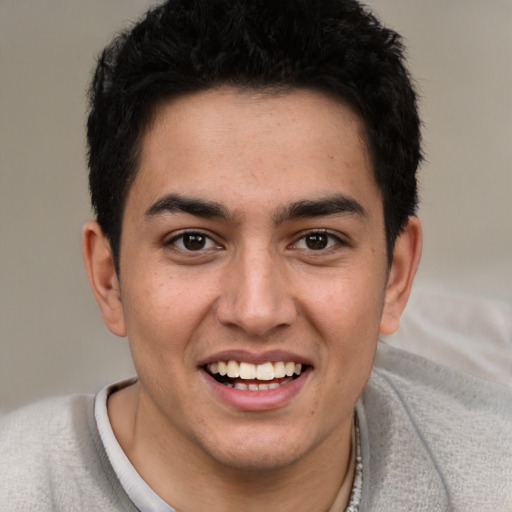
[[469, 334]]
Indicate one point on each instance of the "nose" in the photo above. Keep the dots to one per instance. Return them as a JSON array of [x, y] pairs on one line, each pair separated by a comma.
[[256, 296]]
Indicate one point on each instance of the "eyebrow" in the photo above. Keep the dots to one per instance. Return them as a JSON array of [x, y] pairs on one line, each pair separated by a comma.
[[174, 203], [338, 204]]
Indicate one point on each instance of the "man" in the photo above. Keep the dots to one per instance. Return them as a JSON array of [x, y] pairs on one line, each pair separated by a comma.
[[253, 173]]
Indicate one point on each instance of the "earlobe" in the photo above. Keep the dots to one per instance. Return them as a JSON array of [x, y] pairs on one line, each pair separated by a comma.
[[406, 258], [102, 276]]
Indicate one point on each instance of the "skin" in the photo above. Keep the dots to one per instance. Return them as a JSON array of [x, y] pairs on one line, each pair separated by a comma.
[[261, 282]]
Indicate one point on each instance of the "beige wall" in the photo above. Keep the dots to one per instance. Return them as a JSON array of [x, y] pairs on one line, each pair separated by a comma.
[[52, 339]]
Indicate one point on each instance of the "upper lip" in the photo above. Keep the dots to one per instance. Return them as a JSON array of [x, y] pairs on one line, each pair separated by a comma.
[[255, 357]]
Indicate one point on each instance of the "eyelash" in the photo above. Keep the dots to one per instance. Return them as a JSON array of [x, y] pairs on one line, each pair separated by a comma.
[[331, 241], [181, 236]]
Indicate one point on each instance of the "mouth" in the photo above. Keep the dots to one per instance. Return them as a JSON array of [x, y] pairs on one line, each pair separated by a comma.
[[246, 376]]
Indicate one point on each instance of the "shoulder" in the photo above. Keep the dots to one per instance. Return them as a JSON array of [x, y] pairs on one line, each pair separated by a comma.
[[436, 431], [45, 430], [46, 415], [415, 378], [51, 457]]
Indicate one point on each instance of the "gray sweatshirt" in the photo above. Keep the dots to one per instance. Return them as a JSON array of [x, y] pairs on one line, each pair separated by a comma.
[[432, 440]]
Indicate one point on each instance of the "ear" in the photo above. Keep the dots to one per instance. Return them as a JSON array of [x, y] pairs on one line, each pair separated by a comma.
[[102, 275], [406, 258]]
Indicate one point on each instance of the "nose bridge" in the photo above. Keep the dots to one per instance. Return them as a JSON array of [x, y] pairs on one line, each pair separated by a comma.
[[256, 298]]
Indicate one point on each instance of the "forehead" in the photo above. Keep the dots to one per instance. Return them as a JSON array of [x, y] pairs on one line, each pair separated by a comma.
[[225, 144]]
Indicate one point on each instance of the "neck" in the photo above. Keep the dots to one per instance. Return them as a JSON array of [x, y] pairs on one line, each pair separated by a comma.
[[195, 481]]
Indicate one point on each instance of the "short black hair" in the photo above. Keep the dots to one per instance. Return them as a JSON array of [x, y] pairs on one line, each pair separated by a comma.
[[183, 46]]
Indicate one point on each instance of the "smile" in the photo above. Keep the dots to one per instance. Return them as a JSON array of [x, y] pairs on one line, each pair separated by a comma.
[[257, 377]]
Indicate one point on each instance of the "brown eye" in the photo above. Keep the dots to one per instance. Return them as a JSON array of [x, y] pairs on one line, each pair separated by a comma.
[[316, 241], [194, 241]]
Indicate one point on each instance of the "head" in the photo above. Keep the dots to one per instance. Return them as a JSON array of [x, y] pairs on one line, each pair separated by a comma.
[[253, 173], [332, 46]]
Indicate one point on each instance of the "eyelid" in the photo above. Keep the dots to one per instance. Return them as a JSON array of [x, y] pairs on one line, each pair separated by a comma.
[[170, 241], [339, 239]]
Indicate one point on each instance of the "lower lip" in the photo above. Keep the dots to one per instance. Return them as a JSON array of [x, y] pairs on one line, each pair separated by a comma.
[[263, 400]]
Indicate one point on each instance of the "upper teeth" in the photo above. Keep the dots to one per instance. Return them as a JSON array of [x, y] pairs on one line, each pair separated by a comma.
[[265, 371]]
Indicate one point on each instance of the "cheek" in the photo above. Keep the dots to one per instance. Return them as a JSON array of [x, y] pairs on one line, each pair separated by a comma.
[[346, 312], [346, 302], [163, 310]]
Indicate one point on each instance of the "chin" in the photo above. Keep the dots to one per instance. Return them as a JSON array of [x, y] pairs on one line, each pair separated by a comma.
[[258, 460], [259, 452]]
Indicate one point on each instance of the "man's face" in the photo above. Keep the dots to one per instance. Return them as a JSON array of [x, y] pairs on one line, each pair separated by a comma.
[[253, 233]]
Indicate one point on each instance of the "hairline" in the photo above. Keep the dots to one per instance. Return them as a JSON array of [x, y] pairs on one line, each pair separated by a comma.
[[265, 89]]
